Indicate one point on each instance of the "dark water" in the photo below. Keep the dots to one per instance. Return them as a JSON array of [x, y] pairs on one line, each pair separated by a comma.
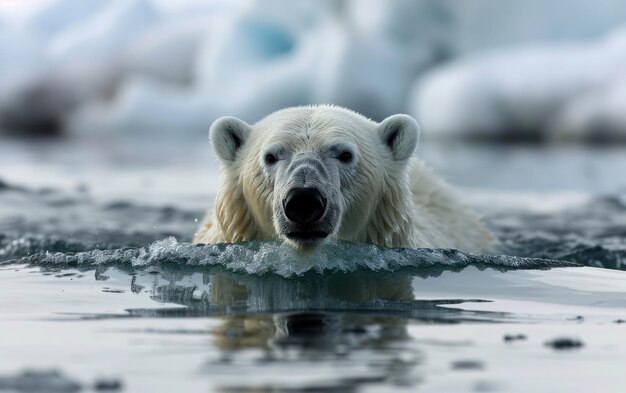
[[48, 226], [593, 234]]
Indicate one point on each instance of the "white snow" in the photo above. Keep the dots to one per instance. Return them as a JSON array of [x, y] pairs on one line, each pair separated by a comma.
[[558, 91], [100, 38], [130, 65], [147, 65]]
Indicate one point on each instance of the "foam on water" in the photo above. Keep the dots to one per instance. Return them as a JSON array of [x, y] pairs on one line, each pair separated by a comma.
[[259, 258]]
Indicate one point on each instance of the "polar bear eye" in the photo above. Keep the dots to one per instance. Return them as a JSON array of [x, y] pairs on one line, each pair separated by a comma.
[[345, 157], [270, 159]]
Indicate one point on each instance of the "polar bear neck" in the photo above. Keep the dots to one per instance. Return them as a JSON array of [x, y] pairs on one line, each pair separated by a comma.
[[391, 223], [235, 221]]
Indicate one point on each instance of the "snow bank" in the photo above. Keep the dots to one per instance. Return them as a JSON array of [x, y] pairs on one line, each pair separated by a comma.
[[125, 65], [63, 60], [99, 38], [373, 56], [565, 91], [133, 65]]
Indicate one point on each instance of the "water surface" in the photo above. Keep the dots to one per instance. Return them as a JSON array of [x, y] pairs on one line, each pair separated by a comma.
[[100, 287]]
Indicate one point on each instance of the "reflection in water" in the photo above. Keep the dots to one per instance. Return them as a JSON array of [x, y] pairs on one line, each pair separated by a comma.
[[325, 332], [218, 292], [363, 347], [350, 349], [317, 332]]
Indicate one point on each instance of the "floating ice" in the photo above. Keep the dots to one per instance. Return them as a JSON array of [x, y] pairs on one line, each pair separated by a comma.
[[263, 60], [145, 105], [371, 59], [559, 91], [106, 34], [21, 57], [269, 257], [55, 16], [167, 52], [135, 65], [130, 66], [50, 76]]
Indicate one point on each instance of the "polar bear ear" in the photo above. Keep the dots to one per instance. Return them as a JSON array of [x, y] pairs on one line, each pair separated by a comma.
[[400, 134], [227, 135]]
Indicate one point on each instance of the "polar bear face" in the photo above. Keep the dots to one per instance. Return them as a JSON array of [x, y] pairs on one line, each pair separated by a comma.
[[311, 173]]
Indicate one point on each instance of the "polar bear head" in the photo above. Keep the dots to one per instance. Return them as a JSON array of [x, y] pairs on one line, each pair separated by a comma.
[[306, 174]]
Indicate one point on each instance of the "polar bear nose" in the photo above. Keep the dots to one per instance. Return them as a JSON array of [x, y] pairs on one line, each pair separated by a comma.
[[304, 205]]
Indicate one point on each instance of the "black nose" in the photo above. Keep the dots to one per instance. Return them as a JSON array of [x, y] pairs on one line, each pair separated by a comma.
[[304, 205]]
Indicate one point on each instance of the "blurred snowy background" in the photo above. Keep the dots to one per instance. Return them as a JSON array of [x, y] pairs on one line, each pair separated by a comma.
[[483, 69]]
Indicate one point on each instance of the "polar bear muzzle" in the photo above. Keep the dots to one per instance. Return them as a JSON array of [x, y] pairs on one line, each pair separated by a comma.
[[304, 205], [306, 209], [307, 221]]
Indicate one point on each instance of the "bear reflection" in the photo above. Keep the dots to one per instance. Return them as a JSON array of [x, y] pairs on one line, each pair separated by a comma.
[[268, 311], [315, 312], [356, 322], [224, 292]]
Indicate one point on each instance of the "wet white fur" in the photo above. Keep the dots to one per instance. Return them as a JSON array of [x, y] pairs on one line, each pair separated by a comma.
[[391, 200]]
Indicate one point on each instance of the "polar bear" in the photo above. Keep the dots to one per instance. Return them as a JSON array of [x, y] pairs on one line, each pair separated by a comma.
[[306, 174]]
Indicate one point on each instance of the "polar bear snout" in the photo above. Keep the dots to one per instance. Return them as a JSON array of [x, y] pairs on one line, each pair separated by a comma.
[[306, 217], [304, 205]]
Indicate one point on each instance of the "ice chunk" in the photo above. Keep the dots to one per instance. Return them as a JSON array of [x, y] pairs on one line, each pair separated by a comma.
[[53, 17], [264, 58], [102, 60], [597, 115], [49, 79], [167, 52], [144, 105], [253, 64], [525, 93], [374, 55], [21, 57], [99, 38]]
